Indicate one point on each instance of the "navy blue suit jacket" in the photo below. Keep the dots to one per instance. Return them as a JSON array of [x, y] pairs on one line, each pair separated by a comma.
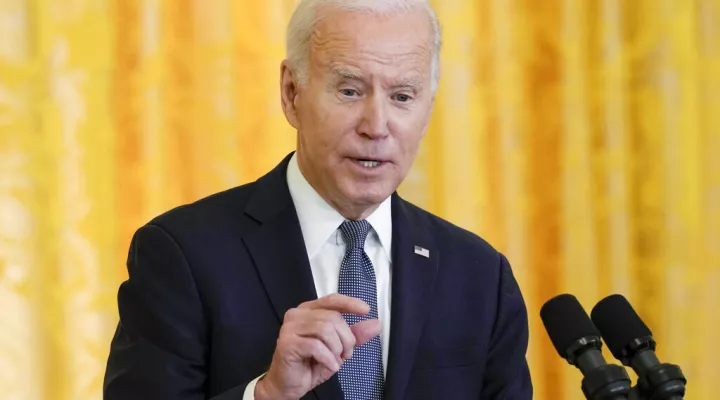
[[210, 282]]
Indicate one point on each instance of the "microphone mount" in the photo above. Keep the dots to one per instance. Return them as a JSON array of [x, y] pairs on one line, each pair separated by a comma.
[[660, 381], [601, 381]]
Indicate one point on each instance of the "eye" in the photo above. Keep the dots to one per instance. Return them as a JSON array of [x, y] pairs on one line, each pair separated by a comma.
[[403, 98], [349, 92]]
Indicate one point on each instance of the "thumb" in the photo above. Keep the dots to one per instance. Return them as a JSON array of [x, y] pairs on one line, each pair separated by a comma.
[[366, 330]]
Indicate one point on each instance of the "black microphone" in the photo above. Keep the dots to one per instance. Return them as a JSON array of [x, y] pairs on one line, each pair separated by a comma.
[[631, 342], [578, 341]]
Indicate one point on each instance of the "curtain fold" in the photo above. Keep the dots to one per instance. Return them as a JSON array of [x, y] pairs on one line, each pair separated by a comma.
[[580, 138]]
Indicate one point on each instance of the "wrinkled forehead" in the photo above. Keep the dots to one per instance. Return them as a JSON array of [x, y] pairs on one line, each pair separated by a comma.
[[394, 41]]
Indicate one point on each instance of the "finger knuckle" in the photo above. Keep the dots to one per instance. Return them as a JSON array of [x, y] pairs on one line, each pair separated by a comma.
[[338, 318], [318, 346], [290, 314], [326, 328], [306, 304], [352, 340], [283, 342], [334, 297]]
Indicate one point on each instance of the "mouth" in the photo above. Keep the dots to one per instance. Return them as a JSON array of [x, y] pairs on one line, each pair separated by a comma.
[[368, 163]]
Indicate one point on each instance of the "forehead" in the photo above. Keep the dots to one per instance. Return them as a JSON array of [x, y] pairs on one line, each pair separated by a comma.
[[368, 41]]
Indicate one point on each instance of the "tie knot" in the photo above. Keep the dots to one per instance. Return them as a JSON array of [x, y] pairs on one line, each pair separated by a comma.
[[355, 233]]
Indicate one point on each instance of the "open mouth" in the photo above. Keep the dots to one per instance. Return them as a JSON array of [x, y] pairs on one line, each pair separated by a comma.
[[369, 163]]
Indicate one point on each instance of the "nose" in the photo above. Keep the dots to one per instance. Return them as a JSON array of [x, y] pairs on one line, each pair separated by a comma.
[[374, 124]]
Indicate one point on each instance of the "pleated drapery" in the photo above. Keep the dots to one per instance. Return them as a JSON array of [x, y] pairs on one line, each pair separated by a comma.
[[580, 137]]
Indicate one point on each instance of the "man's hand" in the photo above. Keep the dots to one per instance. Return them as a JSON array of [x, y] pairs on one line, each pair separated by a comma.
[[314, 341]]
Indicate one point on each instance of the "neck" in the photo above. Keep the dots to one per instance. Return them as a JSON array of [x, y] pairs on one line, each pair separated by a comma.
[[353, 212]]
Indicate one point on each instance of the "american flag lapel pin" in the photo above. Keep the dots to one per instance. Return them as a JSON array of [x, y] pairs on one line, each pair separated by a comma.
[[421, 251]]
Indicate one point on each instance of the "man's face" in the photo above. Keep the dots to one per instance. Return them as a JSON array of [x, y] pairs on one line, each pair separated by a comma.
[[365, 107]]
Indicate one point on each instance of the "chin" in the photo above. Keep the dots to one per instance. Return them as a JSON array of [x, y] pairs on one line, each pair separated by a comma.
[[369, 194]]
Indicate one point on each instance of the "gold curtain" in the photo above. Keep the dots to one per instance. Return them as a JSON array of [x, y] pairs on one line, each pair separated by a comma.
[[580, 137]]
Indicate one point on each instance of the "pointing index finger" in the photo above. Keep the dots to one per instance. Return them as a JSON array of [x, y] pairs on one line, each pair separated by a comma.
[[338, 302]]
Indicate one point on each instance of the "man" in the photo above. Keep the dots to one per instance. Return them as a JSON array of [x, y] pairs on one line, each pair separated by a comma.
[[318, 281]]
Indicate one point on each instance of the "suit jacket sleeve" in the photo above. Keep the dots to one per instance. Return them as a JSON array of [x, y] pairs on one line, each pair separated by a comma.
[[159, 350], [507, 375]]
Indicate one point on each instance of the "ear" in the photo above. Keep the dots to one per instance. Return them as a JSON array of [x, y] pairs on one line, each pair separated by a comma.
[[288, 93]]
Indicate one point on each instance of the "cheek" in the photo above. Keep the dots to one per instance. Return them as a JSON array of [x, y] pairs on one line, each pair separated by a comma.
[[328, 136], [410, 135], [315, 126], [336, 125]]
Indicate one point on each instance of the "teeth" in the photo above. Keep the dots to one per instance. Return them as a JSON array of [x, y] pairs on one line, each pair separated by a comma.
[[369, 164]]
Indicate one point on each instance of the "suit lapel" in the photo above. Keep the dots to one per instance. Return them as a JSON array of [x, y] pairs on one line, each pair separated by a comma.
[[413, 276], [278, 251]]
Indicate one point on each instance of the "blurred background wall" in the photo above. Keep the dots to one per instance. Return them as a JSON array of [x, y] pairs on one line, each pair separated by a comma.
[[580, 137]]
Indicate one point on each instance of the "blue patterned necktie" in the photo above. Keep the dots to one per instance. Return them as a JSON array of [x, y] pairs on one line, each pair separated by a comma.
[[361, 376]]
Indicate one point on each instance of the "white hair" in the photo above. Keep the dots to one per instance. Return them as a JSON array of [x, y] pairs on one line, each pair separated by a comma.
[[306, 16]]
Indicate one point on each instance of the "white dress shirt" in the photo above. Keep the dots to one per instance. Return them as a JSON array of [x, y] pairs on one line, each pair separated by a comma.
[[325, 247]]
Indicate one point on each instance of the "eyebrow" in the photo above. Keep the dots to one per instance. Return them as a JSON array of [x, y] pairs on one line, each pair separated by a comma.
[[346, 73], [412, 83]]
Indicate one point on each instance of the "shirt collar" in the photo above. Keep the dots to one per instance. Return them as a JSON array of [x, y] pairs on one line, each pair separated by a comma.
[[318, 220]]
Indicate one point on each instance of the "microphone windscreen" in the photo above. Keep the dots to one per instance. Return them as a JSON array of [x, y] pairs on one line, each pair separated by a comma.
[[566, 321], [619, 323]]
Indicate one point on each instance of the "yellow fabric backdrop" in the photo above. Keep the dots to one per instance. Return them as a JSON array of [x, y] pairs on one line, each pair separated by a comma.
[[582, 138]]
